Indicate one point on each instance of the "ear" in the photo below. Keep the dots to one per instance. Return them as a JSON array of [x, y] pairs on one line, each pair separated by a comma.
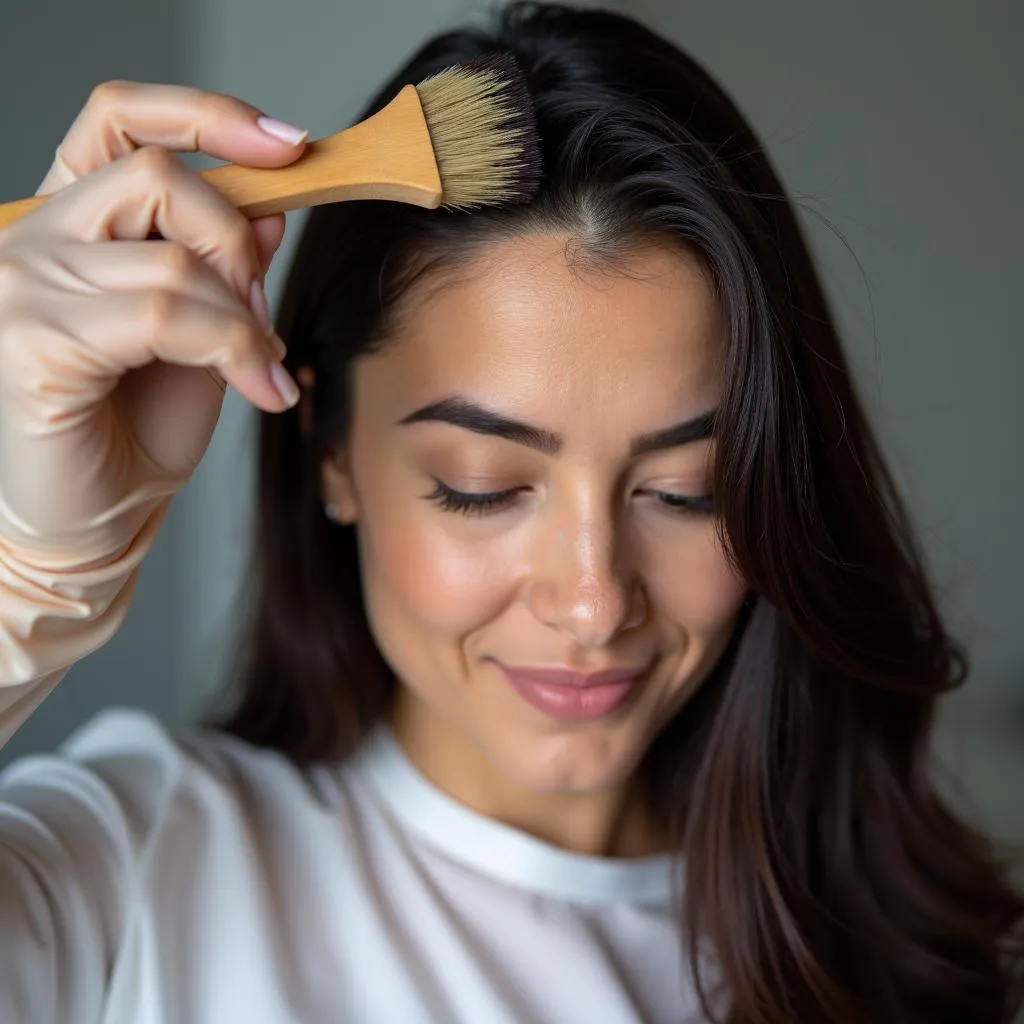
[[336, 488]]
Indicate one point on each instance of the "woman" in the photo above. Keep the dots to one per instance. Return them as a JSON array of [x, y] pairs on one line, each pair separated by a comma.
[[593, 665]]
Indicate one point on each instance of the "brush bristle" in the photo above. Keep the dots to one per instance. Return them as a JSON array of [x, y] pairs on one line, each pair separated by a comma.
[[482, 126]]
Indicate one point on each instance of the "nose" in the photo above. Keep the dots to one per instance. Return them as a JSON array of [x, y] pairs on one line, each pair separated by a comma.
[[582, 581]]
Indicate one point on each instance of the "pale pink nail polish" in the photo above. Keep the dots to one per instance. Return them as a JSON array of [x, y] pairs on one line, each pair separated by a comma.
[[286, 386], [281, 130], [258, 304]]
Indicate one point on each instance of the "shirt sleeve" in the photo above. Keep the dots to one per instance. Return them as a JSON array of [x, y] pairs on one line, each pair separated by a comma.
[[74, 832], [54, 611]]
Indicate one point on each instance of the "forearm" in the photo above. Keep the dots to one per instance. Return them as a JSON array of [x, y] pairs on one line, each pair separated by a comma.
[[53, 612]]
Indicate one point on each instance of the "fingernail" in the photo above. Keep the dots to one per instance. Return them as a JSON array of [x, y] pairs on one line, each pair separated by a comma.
[[281, 130], [286, 387], [278, 345], [258, 305]]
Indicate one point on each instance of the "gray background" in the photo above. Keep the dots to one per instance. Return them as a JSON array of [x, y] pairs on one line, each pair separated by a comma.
[[897, 125]]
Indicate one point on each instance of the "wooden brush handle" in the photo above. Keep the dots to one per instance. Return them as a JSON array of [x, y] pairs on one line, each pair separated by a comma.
[[387, 156]]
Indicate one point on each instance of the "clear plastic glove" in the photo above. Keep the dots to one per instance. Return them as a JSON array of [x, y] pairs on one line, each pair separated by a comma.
[[114, 352]]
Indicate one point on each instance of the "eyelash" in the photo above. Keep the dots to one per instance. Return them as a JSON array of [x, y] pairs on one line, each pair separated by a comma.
[[450, 500]]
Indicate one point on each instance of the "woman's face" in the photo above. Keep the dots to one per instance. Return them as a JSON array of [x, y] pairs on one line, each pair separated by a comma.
[[529, 474]]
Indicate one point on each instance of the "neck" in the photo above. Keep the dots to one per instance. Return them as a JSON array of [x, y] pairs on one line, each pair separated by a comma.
[[616, 822]]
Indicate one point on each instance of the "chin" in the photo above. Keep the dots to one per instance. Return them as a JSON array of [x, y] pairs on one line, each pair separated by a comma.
[[579, 761]]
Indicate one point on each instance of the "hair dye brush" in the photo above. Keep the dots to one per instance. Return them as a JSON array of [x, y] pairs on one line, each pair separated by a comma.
[[463, 138]]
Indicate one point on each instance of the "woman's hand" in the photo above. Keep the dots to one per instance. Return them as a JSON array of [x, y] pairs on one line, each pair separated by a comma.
[[114, 349]]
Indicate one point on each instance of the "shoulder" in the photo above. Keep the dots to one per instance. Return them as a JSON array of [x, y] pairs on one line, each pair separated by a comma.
[[134, 774], [138, 753]]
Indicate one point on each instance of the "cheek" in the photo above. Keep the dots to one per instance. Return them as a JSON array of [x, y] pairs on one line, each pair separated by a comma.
[[411, 564], [696, 587]]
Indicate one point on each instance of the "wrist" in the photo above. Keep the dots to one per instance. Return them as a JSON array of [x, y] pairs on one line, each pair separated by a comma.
[[55, 610]]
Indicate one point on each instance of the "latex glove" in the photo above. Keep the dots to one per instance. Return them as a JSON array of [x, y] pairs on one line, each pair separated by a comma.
[[114, 350]]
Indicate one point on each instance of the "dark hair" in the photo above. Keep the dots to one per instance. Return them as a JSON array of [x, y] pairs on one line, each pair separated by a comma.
[[821, 863]]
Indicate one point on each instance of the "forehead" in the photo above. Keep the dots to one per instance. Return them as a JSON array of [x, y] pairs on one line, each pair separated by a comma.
[[530, 330]]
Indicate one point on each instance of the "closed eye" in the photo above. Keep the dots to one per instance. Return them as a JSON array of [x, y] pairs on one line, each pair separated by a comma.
[[470, 503], [695, 504]]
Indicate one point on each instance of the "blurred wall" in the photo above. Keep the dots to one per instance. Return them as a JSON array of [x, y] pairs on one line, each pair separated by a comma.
[[897, 125]]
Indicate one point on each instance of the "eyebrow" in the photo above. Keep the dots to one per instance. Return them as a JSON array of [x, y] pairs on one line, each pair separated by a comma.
[[461, 412]]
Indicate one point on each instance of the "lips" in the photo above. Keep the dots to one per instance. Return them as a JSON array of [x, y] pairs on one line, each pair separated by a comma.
[[567, 677], [568, 695]]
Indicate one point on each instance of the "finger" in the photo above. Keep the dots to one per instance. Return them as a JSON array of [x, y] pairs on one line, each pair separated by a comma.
[[268, 233], [153, 192], [86, 268], [120, 117], [121, 331], [57, 177]]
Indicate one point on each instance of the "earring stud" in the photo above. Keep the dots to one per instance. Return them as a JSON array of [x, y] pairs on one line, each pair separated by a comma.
[[332, 511]]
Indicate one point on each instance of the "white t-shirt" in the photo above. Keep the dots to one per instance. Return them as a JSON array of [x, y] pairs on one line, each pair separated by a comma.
[[151, 880]]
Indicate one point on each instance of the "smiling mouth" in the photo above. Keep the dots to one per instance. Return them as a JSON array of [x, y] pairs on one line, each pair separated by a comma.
[[567, 695]]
